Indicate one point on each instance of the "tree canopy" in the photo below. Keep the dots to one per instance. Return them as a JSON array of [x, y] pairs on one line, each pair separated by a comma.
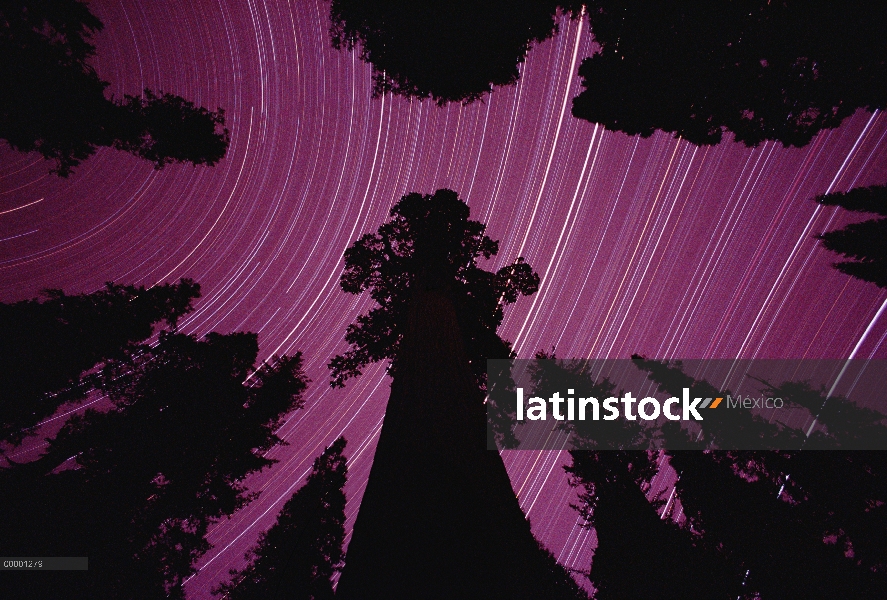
[[762, 70], [53, 102], [46, 346], [448, 51], [429, 241]]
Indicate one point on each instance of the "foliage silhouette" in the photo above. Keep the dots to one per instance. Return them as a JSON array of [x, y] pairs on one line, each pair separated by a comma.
[[450, 51], [136, 487], [53, 102], [780, 71], [46, 346], [298, 556], [639, 553], [846, 491], [847, 423], [763, 70], [866, 242], [549, 375], [798, 524], [740, 429]]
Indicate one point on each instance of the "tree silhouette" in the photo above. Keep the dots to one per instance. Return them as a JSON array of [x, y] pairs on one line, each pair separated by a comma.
[[429, 242], [866, 242], [298, 556], [798, 524], [53, 102], [846, 491], [762, 70], [439, 518], [136, 487], [448, 51], [640, 553], [46, 346], [737, 430]]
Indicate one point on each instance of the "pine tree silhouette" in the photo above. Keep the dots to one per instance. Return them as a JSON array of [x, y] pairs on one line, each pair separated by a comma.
[[298, 556], [798, 524], [864, 243], [639, 553], [46, 346]]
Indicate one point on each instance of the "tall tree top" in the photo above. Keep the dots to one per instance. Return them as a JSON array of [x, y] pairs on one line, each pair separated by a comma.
[[297, 557], [871, 199], [429, 242]]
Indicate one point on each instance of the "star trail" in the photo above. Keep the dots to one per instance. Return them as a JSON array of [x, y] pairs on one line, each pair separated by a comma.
[[651, 246]]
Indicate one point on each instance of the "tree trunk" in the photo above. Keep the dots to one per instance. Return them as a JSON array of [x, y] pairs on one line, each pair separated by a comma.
[[439, 518]]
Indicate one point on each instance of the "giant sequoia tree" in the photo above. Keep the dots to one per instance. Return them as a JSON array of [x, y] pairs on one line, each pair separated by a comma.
[[53, 102], [439, 518], [428, 244]]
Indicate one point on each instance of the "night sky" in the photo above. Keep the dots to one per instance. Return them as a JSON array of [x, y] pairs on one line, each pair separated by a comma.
[[648, 246]]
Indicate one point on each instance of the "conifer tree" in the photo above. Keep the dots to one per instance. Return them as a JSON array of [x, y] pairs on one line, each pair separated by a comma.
[[798, 524], [640, 552], [45, 346], [135, 486], [865, 243], [298, 556]]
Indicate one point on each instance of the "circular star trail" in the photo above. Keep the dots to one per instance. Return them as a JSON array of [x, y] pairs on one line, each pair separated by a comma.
[[650, 246]]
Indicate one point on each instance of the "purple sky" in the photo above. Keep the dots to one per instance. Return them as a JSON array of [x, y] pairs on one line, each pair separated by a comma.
[[650, 246]]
